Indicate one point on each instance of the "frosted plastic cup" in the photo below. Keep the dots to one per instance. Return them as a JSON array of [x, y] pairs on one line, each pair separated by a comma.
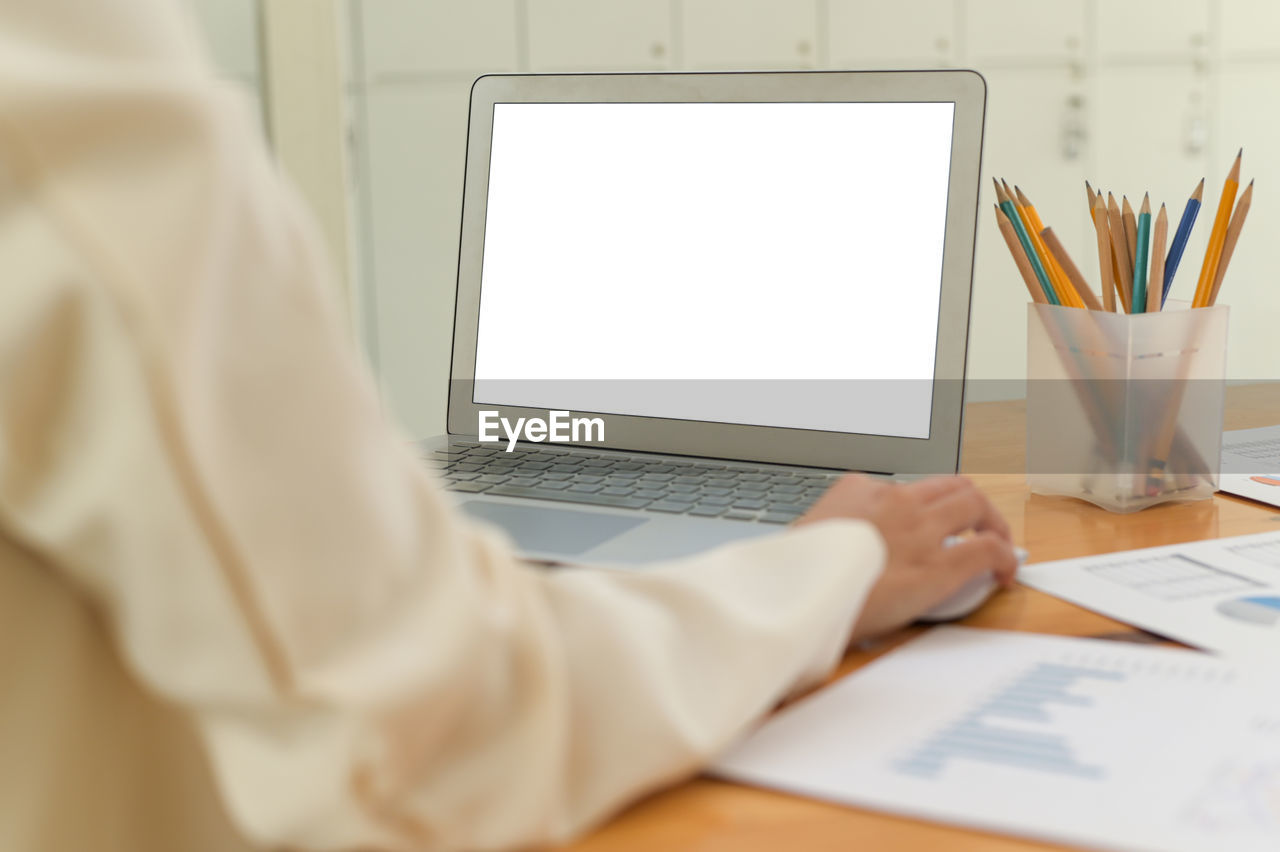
[[1125, 410]]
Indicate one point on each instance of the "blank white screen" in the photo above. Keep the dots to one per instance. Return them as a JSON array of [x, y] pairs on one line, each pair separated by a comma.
[[733, 242]]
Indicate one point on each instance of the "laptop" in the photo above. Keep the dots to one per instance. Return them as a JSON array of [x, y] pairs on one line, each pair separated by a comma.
[[688, 302]]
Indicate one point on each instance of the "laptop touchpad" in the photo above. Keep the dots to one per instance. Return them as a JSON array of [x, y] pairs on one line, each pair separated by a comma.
[[551, 530]]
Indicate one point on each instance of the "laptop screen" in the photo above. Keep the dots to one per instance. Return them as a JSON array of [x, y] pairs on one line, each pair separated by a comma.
[[771, 264]]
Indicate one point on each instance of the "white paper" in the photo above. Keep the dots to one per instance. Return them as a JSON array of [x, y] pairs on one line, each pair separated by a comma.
[[1251, 464], [1078, 741], [1222, 594]]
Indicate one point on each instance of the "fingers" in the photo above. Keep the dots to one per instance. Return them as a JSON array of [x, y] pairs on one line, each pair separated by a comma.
[[850, 497], [982, 552], [857, 483], [945, 505], [936, 487], [961, 507]]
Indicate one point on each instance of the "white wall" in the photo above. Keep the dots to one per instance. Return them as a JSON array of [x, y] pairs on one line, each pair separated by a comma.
[[1134, 95], [230, 28], [289, 57], [307, 111]]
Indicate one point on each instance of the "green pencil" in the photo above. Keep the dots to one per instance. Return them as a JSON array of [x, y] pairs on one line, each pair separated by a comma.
[[1006, 204], [1143, 255]]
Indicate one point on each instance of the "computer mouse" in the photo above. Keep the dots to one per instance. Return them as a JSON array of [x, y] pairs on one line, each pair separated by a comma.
[[968, 597], [965, 600]]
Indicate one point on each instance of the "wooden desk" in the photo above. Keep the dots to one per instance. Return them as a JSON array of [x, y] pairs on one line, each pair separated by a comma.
[[714, 816]]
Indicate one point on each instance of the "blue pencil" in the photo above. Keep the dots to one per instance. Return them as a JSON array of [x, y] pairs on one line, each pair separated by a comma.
[[1180, 238]]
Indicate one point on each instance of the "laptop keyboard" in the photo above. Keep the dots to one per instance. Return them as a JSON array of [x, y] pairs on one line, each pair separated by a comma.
[[770, 495]]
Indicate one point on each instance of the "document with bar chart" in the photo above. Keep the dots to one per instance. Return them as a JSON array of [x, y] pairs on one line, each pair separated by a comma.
[[1222, 595], [1095, 744], [1251, 464]]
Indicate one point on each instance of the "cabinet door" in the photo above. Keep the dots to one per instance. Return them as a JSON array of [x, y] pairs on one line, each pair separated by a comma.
[[1152, 135], [587, 35], [1026, 114], [1024, 31], [749, 34], [905, 34], [1249, 28], [1152, 28], [1250, 285], [408, 37], [416, 140]]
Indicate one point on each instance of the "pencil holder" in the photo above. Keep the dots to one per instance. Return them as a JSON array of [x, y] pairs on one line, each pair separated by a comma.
[[1125, 410]]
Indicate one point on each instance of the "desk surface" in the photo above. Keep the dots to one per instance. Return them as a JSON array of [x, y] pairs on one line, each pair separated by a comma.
[[713, 816]]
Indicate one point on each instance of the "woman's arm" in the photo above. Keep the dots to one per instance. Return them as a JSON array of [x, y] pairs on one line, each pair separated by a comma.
[[186, 432]]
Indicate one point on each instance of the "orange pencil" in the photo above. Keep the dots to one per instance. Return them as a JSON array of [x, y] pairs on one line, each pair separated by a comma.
[[1213, 252], [1229, 244], [1069, 267], [1005, 203], [1061, 283], [1037, 245]]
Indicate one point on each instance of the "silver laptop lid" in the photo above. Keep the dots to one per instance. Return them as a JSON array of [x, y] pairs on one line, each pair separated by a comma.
[[764, 266]]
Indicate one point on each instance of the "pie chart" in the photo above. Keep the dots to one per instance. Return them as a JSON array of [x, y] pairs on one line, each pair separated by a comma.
[[1255, 610]]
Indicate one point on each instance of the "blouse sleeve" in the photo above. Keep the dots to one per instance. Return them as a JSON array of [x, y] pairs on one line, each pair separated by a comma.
[[186, 433]]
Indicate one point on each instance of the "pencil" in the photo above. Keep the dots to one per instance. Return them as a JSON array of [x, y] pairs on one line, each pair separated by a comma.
[[1213, 252], [1130, 230], [1042, 253], [1229, 244], [1020, 257], [1105, 259], [1142, 255], [1066, 291], [1006, 204], [1089, 191], [1155, 287], [1180, 238], [1059, 252], [1120, 248]]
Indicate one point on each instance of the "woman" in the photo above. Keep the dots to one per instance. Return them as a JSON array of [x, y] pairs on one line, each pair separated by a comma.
[[235, 611]]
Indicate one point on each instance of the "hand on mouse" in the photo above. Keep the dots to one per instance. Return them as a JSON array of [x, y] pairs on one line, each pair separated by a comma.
[[915, 519]]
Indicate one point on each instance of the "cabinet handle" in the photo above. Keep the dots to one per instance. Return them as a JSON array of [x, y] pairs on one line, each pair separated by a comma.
[[1197, 134], [1073, 134]]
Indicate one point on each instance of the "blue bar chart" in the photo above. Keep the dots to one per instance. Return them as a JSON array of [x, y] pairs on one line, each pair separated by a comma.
[[1083, 742], [1030, 698]]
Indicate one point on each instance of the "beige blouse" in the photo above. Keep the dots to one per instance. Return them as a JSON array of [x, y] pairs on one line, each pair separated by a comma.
[[235, 610]]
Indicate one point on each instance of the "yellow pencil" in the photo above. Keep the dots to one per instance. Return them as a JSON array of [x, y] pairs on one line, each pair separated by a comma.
[[1229, 244], [1213, 252], [1061, 283], [1155, 286], [1005, 203], [1060, 254], [1037, 245]]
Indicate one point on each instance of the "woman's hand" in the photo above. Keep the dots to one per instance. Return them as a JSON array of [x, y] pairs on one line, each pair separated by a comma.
[[915, 519]]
